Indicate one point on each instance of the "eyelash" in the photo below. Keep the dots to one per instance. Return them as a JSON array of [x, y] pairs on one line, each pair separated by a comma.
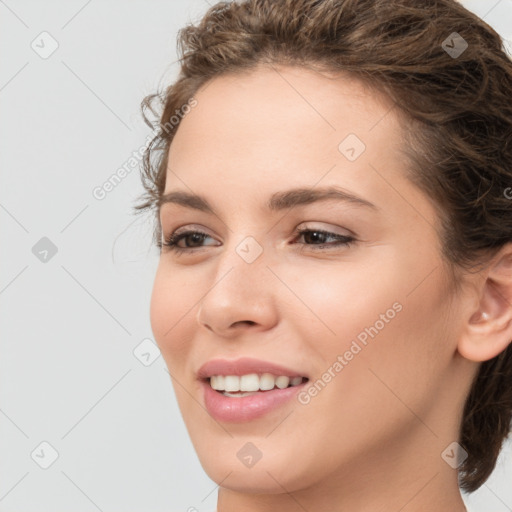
[[172, 240]]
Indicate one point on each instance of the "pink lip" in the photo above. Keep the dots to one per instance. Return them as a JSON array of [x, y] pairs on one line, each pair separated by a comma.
[[244, 366], [247, 408]]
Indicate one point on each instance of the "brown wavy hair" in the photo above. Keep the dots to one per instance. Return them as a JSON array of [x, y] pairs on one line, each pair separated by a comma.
[[458, 131]]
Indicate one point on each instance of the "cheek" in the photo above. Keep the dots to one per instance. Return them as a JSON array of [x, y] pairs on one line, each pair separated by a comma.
[[389, 341], [170, 309], [341, 304], [377, 319], [395, 340]]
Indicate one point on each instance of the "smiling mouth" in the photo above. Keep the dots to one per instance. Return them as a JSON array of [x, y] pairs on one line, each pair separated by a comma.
[[251, 384]]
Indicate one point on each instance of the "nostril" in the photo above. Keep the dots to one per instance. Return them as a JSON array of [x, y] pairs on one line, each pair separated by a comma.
[[249, 322]]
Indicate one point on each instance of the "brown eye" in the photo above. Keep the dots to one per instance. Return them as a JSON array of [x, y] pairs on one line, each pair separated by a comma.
[[317, 237], [192, 236]]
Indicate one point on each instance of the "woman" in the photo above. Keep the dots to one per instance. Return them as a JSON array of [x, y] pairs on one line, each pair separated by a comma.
[[333, 297]]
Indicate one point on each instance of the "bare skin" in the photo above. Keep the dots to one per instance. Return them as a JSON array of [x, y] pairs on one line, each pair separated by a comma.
[[372, 439]]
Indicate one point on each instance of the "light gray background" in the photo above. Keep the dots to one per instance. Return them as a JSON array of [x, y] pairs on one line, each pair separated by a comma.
[[68, 373]]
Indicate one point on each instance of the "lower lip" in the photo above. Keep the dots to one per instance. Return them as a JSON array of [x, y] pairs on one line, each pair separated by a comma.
[[246, 408]]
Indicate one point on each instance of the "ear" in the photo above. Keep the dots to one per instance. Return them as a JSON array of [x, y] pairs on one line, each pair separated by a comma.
[[487, 331]]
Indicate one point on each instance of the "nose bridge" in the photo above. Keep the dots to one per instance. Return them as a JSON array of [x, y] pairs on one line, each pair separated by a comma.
[[242, 268], [241, 289]]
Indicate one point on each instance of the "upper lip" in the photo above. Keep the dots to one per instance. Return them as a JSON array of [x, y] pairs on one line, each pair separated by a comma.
[[243, 366]]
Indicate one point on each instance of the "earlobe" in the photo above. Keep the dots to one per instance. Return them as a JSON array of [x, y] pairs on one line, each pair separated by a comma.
[[488, 330]]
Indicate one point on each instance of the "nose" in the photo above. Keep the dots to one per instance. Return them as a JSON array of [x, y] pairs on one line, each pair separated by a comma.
[[239, 296]]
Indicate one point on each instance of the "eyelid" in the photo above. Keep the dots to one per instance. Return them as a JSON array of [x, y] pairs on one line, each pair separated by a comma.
[[184, 228], [326, 226]]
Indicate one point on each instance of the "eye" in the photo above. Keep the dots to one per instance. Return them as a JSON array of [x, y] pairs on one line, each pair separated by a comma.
[[193, 236], [319, 235], [313, 237]]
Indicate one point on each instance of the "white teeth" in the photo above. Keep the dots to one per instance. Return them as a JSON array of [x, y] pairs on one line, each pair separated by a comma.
[[217, 382], [282, 382], [295, 381], [251, 382], [236, 395], [267, 382], [231, 383]]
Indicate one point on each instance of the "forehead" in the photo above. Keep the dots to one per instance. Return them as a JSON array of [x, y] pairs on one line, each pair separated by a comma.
[[284, 120], [293, 99]]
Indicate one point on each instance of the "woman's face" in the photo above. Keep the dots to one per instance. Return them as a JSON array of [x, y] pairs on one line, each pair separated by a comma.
[[371, 323]]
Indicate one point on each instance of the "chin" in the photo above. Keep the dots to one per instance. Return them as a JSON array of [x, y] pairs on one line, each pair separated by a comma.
[[265, 477]]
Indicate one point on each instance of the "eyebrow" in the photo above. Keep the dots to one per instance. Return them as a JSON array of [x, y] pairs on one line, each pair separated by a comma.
[[278, 201]]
